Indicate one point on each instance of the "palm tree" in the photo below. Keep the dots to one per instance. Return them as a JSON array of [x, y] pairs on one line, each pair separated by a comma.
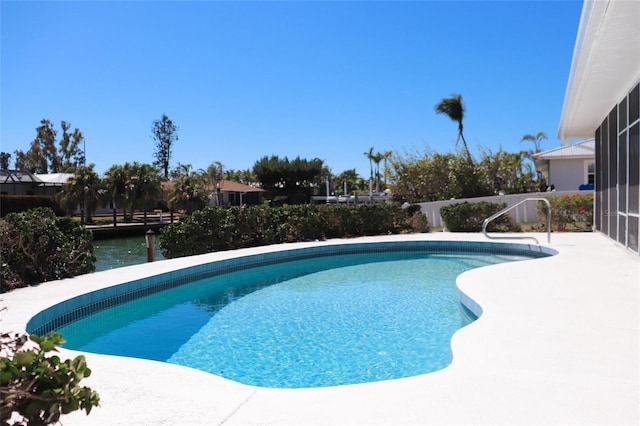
[[82, 189], [370, 156], [189, 193], [144, 186], [454, 108], [116, 186], [537, 141], [377, 158], [385, 156]]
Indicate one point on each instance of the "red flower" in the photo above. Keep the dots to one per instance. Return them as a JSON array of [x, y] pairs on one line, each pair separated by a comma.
[[565, 197], [580, 208]]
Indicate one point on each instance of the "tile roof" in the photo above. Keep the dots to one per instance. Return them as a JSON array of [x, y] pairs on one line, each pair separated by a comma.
[[231, 186]]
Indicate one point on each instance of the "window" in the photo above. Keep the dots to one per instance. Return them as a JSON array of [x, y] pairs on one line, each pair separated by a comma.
[[591, 172]]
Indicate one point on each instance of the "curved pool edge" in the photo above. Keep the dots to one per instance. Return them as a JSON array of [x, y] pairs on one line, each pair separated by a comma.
[[80, 306], [548, 368]]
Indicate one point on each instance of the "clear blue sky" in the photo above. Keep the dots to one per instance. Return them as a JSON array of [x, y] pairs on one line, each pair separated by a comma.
[[312, 79]]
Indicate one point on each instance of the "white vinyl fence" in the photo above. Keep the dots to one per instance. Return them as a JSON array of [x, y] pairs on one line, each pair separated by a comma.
[[526, 212]]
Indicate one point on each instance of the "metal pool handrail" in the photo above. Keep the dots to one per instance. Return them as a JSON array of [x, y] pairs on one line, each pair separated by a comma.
[[506, 209]]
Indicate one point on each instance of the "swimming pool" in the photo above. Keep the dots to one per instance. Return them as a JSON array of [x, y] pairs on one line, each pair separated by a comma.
[[395, 305]]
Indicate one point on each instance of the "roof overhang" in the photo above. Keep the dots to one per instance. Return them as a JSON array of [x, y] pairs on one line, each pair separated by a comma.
[[605, 65]]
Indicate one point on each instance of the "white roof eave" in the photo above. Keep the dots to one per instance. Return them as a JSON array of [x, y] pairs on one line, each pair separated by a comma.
[[605, 65]]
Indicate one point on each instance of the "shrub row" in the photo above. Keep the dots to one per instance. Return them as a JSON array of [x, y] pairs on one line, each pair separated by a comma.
[[468, 217], [215, 229], [21, 203]]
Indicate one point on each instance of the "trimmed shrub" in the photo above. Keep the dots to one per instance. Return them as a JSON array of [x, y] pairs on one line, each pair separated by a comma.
[[38, 246], [216, 229], [468, 217]]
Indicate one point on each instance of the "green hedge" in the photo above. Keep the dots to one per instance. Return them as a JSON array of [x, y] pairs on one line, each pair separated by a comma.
[[468, 217], [215, 229], [21, 203]]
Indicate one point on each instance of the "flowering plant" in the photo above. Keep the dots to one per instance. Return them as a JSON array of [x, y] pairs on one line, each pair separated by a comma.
[[568, 212]]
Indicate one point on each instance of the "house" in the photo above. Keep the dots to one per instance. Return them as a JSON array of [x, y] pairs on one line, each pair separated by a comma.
[[18, 182], [52, 182], [229, 193], [569, 167], [602, 101]]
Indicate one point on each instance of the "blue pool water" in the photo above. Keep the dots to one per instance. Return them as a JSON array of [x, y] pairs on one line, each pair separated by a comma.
[[307, 323]]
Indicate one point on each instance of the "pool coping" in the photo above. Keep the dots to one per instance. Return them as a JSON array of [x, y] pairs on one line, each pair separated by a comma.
[[557, 343]]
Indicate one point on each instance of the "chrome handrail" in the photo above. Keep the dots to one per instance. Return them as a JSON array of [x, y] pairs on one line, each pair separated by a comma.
[[506, 209]]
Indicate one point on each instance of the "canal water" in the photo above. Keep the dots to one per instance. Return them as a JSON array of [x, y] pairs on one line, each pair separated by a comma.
[[118, 252]]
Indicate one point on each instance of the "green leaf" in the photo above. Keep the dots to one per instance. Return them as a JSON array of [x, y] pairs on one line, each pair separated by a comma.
[[24, 358]]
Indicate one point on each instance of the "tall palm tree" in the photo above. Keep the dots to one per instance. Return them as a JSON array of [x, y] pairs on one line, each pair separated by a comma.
[[82, 189], [454, 108], [116, 186], [377, 158], [385, 156], [369, 154]]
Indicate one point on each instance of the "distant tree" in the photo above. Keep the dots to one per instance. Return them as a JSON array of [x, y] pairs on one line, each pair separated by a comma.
[[144, 188], [385, 156], [375, 159], [453, 107], [82, 189], [189, 193], [115, 181], [245, 176], [165, 133], [350, 177], [290, 182], [180, 169], [70, 154], [369, 154], [44, 156], [5, 157], [536, 140]]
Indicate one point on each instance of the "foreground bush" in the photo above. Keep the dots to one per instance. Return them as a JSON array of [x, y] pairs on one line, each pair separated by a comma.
[[215, 229], [568, 212], [35, 388], [468, 217], [38, 246]]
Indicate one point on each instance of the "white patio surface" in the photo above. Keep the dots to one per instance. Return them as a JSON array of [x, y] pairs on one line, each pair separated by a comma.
[[557, 343]]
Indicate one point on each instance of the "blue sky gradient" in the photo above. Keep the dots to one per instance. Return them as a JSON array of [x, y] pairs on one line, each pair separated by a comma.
[[312, 79]]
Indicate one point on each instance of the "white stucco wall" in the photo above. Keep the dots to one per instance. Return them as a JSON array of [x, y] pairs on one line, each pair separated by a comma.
[[567, 175]]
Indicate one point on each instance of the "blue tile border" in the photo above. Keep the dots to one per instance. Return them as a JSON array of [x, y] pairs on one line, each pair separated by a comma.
[[87, 304]]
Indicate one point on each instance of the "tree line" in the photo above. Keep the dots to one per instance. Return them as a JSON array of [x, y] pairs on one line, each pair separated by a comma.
[[415, 177]]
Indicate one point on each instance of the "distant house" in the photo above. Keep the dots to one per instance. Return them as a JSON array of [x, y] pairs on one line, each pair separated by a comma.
[[229, 193], [52, 182], [20, 182], [226, 194], [569, 167]]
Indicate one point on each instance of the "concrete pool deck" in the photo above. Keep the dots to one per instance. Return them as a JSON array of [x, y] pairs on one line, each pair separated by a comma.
[[557, 343]]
